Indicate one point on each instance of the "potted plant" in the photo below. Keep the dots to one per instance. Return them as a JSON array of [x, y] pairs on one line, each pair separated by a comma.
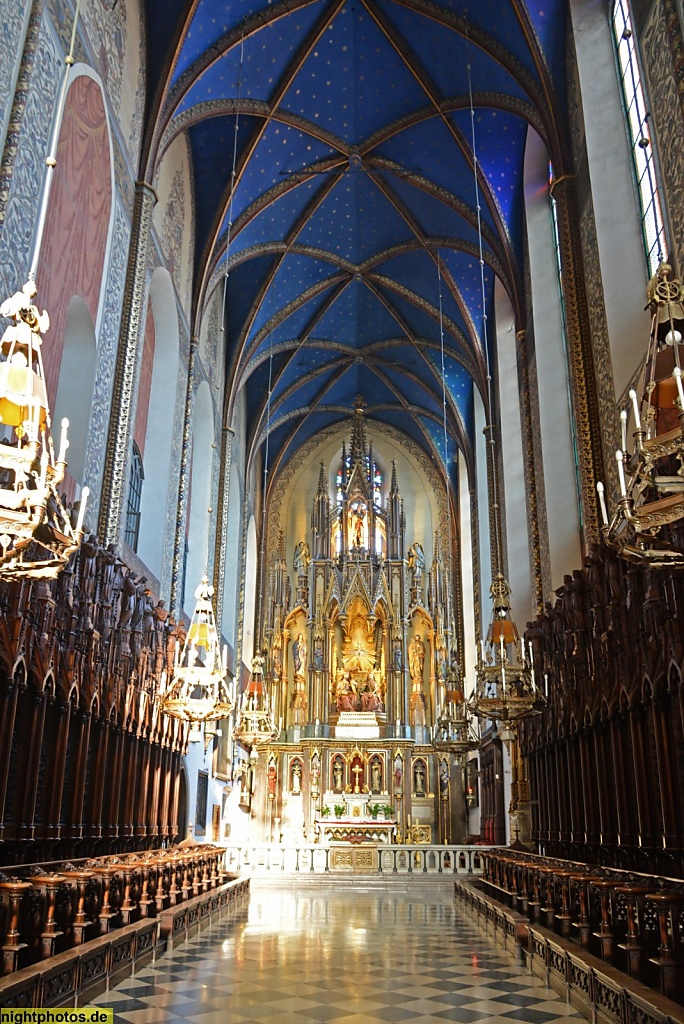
[[374, 810], [325, 811], [389, 810], [339, 810]]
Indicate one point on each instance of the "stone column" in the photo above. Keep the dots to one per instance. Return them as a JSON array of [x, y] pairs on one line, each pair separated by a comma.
[[114, 481]]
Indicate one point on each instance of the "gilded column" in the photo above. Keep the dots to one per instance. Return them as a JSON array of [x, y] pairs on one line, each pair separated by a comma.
[[533, 485], [580, 355], [21, 92], [121, 419], [183, 472], [222, 525]]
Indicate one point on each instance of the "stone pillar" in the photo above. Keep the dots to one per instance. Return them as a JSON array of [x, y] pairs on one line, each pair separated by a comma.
[[122, 415]]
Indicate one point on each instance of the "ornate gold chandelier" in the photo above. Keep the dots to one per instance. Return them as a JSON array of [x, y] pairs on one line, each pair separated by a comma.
[[651, 476], [197, 692], [505, 686], [456, 729], [37, 535], [255, 722]]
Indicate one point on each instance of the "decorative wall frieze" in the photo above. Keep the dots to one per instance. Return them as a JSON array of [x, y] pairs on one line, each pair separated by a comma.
[[114, 481]]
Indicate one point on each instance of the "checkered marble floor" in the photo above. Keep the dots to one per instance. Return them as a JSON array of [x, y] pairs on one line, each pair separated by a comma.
[[342, 956]]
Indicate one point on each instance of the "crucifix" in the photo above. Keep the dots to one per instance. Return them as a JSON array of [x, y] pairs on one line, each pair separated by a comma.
[[357, 770]]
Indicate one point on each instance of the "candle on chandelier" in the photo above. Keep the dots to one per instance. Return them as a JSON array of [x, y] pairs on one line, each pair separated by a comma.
[[63, 441], [635, 408], [602, 502], [81, 509], [621, 473]]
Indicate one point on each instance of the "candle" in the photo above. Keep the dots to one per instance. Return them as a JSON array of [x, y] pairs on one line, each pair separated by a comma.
[[602, 503], [635, 407], [81, 509], [623, 428], [621, 473], [546, 685], [63, 442], [677, 372]]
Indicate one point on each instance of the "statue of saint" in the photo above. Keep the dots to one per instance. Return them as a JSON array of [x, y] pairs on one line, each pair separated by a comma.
[[416, 559], [417, 659], [444, 778], [302, 557], [358, 523], [398, 773], [376, 777], [296, 786], [419, 779], [346, 697], [337, 777], [299, 654]]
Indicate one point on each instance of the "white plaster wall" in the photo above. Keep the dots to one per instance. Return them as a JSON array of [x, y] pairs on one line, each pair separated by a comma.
[[251, 564], [173, 216], [203, 437], [160, 421], [468, 655], [75, 386], [562, 510], [513, 467], [616, 206]]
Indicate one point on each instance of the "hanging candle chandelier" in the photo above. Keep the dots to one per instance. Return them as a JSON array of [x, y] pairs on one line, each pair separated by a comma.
[[197, 691], [644, 525], [457, 730], [505, 685], [37, 535], [255, 722]]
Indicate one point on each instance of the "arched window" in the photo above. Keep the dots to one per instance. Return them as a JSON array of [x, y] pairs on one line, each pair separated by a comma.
[[640, 136], [135, 486]]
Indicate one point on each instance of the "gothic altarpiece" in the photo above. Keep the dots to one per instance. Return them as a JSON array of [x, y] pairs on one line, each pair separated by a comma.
[[357, 660]]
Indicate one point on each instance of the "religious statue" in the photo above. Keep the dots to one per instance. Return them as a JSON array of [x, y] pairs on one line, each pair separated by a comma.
[[302, 557], [370, 697], [376, 777], [338, 777], [318, 654], [299, 654], [398, 774], [296, 781], [346, 697], [444, 779], [358, 523], [417, 659], [419, 779], [416, 559]]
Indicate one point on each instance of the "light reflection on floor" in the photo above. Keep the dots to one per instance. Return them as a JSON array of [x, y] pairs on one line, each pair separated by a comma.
[[339, 955]]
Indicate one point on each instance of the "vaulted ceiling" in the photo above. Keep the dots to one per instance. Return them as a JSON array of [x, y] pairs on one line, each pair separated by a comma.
[[350, 230]]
